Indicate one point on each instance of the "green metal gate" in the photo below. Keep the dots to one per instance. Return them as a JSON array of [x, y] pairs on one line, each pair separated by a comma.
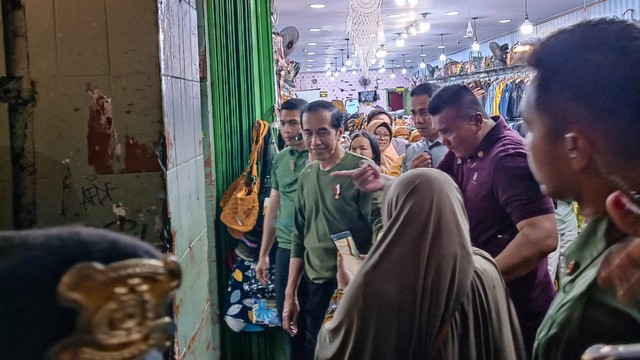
[[242, 91]]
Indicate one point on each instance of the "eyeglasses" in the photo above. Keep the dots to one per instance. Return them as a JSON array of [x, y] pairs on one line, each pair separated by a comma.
[[382, 136]]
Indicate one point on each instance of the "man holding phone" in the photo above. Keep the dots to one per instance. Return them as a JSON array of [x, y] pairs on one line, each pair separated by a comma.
[[429, 151], [324, 206], [278, 220]]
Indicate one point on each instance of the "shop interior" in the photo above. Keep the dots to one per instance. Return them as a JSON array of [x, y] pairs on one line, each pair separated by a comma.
[[416, 41]]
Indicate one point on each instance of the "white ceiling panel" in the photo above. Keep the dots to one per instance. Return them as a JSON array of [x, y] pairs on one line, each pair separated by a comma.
[[332, 20]]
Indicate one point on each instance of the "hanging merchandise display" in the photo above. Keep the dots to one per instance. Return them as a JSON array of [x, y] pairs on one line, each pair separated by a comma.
[[284, 43], [364, 19]]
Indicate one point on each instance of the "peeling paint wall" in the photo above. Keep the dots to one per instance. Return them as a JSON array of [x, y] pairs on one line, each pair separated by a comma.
[[98, 126]]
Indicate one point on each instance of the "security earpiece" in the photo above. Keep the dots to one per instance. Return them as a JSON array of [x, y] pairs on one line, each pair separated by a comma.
[[570, 143]]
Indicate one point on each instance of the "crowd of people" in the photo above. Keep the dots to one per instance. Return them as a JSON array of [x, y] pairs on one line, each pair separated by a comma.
[[461, 229]]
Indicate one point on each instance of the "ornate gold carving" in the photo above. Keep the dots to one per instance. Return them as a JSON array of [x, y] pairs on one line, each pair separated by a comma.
[[122, 308]]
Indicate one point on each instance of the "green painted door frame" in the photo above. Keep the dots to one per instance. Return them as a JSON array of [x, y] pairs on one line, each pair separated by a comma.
[[242, 91]]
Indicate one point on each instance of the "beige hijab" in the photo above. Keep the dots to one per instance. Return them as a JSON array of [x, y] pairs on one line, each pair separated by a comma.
[[389, 156], [418, 276]]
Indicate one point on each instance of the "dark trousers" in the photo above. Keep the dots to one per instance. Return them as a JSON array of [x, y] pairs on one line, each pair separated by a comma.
[[293, 346], [315, 307]]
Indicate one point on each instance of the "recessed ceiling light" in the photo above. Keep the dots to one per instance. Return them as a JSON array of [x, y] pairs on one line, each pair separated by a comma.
[[315, 29], [408, 60], [309, 60], [393, 16], [504, 21], [442, 46], [312, 43], [311, 53], [452, 13], [309, 65], [317, 6]]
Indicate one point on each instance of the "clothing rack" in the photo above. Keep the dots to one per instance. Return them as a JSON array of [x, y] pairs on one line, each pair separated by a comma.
[[483, 74], [500, 90]]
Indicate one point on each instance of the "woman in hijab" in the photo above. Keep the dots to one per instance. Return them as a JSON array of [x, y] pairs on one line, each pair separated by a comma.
[[400, 145], [422, 292], [382, 132]]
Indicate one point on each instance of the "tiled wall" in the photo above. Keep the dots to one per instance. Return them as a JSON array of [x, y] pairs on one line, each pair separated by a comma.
[[185, 176], [347, 86]]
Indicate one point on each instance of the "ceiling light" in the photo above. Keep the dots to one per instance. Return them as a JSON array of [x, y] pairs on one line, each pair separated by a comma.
[[475, 46], [354, 72], [373, 61], [424, 24], [317, 6], [336, 74], [452, 13], [400, 2], [309, 65], [399, 40], [311, 53], [404, 70], [328, 73], [413, 2], [423, 64], [381, 62], [526, 27], [309, 60], [393, 16], [382, 69], [348, 62], [412, 30], [443, 57], [333, 78], [381, 52], [393, 75], [469, 32], [312, 43], [315, 29], [405, 35], [409, 60], [504, 21]]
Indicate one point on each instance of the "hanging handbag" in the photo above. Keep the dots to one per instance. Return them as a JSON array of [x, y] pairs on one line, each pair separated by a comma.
[[240, 203]]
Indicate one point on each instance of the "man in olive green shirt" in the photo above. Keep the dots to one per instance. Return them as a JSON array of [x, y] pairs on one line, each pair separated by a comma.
[[278, 221], [325, 205], [583, 145]]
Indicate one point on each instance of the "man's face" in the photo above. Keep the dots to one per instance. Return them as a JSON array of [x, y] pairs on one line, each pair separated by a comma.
[[545, 152], [290, 126], [421, 117], [460, 134], [320, 138]]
